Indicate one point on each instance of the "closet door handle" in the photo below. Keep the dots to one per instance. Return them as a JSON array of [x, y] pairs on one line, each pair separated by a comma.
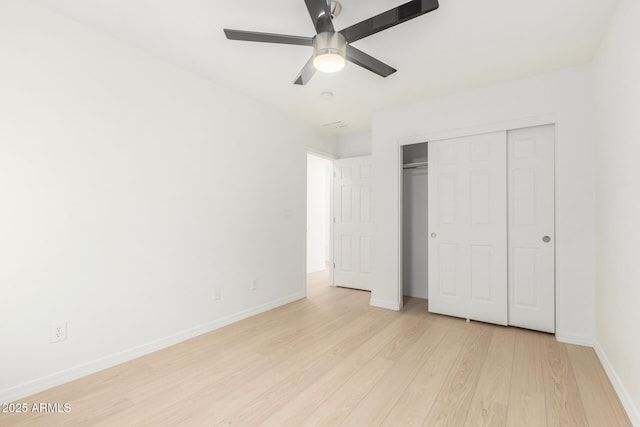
[[546, 239], [433, 235]]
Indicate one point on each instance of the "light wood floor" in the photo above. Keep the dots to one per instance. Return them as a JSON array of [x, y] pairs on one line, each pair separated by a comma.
[[331, 359]]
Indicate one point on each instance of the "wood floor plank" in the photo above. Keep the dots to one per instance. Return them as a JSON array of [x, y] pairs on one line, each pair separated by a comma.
[[337, 407], [562, 398], [416, 401], [453, 401], [302, 369], [298, 409], [595, 388], [491, 397], [397, 347], [526, 394], [378, 403]]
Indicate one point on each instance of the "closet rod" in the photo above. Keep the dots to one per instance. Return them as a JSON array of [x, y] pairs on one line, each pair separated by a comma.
[[418, 165]]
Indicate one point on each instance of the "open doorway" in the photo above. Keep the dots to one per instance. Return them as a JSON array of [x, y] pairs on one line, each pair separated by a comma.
[[319, 183], [415, 220]]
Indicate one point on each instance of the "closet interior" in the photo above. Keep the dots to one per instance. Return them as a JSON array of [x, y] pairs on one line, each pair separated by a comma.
[[414, 220]]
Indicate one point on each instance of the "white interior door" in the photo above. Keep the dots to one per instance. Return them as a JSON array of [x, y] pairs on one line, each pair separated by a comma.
[[468, 227], [352, 228], [531, 228]]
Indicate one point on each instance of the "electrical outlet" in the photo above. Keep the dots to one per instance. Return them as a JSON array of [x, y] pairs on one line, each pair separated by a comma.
[[254, 285], [58, 331], [217, 294]]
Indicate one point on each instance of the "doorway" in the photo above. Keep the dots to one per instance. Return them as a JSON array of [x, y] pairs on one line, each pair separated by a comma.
[[319, 180], [414, 220]]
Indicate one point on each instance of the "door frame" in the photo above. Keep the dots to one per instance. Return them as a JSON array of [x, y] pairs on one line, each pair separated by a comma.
[[548, 119]]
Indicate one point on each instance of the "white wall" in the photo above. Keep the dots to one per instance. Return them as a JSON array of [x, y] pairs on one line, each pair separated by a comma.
[[318, 212], [355, 145], [129, 190], [618, 205], [565, 97]]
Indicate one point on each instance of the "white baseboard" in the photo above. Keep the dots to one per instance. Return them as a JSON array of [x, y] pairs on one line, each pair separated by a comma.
[[568, 338], [389, 305], [27, 389], [627, 402]]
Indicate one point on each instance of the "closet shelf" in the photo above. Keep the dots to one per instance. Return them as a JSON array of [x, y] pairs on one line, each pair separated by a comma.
[[417, 165]]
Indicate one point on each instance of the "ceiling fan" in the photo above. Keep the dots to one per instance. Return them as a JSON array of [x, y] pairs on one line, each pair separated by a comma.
[[330, 47]]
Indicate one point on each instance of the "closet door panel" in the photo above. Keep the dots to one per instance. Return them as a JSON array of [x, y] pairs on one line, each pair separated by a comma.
[[531, 228], [447, 267], [467, 227], [481, 273]]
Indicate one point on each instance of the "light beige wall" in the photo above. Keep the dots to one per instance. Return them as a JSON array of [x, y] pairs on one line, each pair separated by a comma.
[[618, 205]]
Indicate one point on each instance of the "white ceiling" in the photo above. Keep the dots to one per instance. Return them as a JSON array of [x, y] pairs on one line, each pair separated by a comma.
[[462, 45]]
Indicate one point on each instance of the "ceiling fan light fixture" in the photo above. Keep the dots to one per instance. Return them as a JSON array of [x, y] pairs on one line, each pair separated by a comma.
[[329, 63], [329, 52]]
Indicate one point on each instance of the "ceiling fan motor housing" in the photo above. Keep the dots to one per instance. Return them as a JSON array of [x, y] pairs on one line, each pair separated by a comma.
[[329, 46], [335, 8]]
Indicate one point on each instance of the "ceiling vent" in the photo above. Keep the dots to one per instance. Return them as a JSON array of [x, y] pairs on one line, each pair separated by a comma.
[[335, 125]]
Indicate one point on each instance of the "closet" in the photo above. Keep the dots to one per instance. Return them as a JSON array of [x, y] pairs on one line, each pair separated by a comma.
[[491, 227], [414, 220]]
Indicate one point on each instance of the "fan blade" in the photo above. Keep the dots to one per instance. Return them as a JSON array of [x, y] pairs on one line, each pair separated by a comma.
[[320, 15], [368, 62], [306, 73], [252, 36], [388, 19]]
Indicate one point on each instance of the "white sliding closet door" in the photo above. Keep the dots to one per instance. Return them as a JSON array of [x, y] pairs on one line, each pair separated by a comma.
[[352, 228], [531, 228], [468, 227]]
